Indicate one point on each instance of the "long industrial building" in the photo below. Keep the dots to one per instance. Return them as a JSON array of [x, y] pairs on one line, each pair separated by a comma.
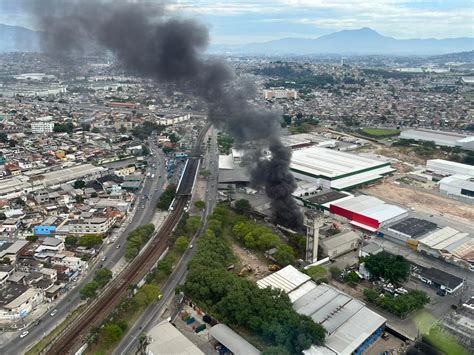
[[337, 170], [367, 212], [446, 167], [446, 139], [351, 326]]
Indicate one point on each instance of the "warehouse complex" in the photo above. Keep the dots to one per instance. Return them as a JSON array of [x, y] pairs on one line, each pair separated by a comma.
[[446, 243], [337, 170], [351, 326], [447, 139]]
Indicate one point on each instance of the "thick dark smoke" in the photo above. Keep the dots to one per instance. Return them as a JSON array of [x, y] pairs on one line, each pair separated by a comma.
[[150, 43]]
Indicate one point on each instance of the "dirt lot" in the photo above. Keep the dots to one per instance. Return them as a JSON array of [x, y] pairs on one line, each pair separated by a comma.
[[246, 257], [421, 201]]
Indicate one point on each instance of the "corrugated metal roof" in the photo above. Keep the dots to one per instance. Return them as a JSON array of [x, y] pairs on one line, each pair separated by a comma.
[[355, 331], [384, 212], [330, 163], [442, 238], [286, 279]]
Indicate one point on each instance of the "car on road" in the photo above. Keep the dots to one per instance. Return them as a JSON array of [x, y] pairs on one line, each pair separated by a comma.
[[117, 247], [143, 206], [103, 258], [24, 334], [38, 322], [190, 246], [53, 313]]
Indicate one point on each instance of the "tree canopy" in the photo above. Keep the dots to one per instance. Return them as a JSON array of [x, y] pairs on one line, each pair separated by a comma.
[[136, 239], [242, 206], [166, 198], [90, 240], [394, 268]]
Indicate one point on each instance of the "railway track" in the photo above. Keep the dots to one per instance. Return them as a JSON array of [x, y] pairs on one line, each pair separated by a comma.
[[71, 338], [76, 333]]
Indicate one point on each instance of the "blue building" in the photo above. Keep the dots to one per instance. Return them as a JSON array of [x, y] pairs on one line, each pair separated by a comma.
[[44, 230]]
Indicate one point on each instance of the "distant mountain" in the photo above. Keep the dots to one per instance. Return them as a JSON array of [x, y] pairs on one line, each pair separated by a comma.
[[356, 42], [18, 39]]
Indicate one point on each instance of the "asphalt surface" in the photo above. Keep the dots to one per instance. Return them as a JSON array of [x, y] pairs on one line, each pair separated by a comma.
[[150, 317], [147, 198]]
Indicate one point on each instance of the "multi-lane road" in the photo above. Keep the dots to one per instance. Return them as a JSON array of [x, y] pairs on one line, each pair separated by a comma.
[[144, 210]]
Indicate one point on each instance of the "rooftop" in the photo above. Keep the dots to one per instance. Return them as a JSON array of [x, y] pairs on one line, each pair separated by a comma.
[[413, 227], [166, 339], [331, 164]]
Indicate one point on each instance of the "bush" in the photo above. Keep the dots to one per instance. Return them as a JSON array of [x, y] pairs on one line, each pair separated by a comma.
[[400, 305], [90, 240], [316, 272]]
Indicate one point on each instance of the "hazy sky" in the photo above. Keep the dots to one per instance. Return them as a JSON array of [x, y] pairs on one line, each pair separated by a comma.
[[242, 21]]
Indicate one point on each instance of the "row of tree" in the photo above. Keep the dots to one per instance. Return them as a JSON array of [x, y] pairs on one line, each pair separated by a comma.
[[400, 305], [267, 313], [136, 239], [101, 278]]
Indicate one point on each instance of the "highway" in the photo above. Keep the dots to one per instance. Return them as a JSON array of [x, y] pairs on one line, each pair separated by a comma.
[[151, 188], [151, 316]]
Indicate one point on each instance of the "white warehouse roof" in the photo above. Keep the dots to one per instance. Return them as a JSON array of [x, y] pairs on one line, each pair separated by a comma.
[[331, 164], [449, 167], [443, 238], [286, 279], [166, 339]]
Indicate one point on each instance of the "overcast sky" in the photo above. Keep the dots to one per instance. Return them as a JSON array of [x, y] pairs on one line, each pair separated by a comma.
[[243, 21]]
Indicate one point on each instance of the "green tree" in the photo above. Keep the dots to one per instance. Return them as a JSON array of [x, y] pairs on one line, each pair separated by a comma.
[[242, 206], [181, 243], [174, 138], [12, 143], [166, 198], [90, 240], [89, 290], [2, 216], [192, 225], [19, 202], [275, 350], [393, 268], [95, 130], [32, 238], [111, 333], [200, 204], [351, 277], [284, 255], [102, 277], [79, 184], [148, 294], [166, 265], [3, 137], [70, 240]]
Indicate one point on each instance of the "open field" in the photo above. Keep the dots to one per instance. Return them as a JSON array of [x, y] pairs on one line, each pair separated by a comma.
[[422, 201], [380, 132]]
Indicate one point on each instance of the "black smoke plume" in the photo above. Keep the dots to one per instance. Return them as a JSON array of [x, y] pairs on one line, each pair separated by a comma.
[[152, 44]]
